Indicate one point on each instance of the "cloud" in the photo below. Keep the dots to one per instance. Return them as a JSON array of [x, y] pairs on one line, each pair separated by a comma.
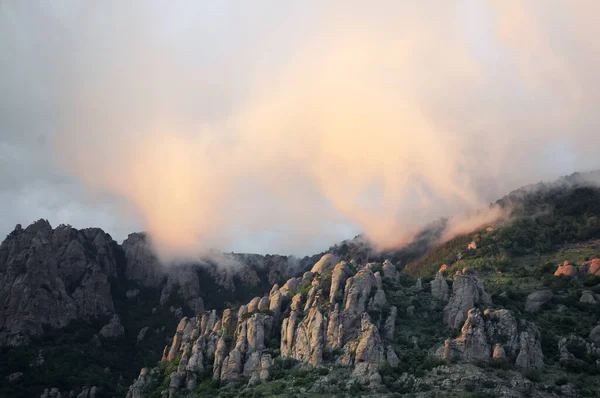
[[283, 128]]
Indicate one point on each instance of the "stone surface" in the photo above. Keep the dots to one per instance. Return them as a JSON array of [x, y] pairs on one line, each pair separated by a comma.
[[53, 276], [338, 280], [472, 344], [566, 269], [327, 262], [113, 329], [595, 335], [467, 292], [140, 385], [390, 271], [439, 288], [495, 334], [530, 347], [594, 267], [587, 297], [536, 300]]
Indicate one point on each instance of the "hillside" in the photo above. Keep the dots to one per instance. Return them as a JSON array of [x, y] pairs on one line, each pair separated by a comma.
[[78, 309], [509, 310]]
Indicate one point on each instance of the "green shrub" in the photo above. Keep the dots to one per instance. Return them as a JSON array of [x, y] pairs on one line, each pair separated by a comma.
[[533, 375]]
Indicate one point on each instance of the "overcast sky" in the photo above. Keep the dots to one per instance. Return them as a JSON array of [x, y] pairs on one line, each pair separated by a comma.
[[284, 127]]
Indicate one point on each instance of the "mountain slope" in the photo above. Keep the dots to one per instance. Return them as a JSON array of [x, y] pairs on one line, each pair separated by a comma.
[[79, 302], [482, 314]]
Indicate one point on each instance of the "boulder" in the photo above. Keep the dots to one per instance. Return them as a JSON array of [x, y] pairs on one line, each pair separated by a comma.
[[566, 269], [587, 297], [536, 300], [594, 267], [499, 352], [595, 335]]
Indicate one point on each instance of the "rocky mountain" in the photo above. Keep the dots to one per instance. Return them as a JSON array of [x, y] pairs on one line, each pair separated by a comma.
[[337, 319], [53, 281], [511, 309]]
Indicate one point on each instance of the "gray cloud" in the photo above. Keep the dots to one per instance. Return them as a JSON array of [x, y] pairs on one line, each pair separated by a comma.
[[284, 127]]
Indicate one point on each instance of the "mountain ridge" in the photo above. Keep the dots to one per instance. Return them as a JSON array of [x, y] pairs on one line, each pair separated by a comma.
[[144, 305]]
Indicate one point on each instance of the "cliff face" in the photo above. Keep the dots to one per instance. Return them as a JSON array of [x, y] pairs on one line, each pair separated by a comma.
[[332, 313], [49, 277]]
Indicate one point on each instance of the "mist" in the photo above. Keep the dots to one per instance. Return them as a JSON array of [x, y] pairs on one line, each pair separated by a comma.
[[283, 128]]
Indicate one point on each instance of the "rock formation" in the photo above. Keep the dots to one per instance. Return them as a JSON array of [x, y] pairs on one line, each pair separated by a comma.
[[588, 297], [495, 334], [467, 292], [113, 329], [53, 276], [439, 288], [314, 325], [591, 267], [327, 262], [536, 300], [595, 335], [566, 269]]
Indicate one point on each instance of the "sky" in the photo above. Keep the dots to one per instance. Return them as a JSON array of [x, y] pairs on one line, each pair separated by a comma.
[[284, 127]]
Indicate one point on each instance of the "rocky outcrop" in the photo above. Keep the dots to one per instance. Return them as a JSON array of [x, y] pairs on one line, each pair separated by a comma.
[[369, 354], [309, 338], [588, 297], [472, 344], [536, 300], [53, 276], [467, 292], [530, 347], [113, 329], [141, 385], [566, 269], [142, 265], [327, 262], [312, 329], [390, 270], [439, 288], [594, 267], [573, 348], [495, 334], [591, 267], [363, 292], [595, 335], [338, 279]]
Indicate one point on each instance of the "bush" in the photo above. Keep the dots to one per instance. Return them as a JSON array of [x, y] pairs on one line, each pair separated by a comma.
[[533, 375], [561, 381]]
